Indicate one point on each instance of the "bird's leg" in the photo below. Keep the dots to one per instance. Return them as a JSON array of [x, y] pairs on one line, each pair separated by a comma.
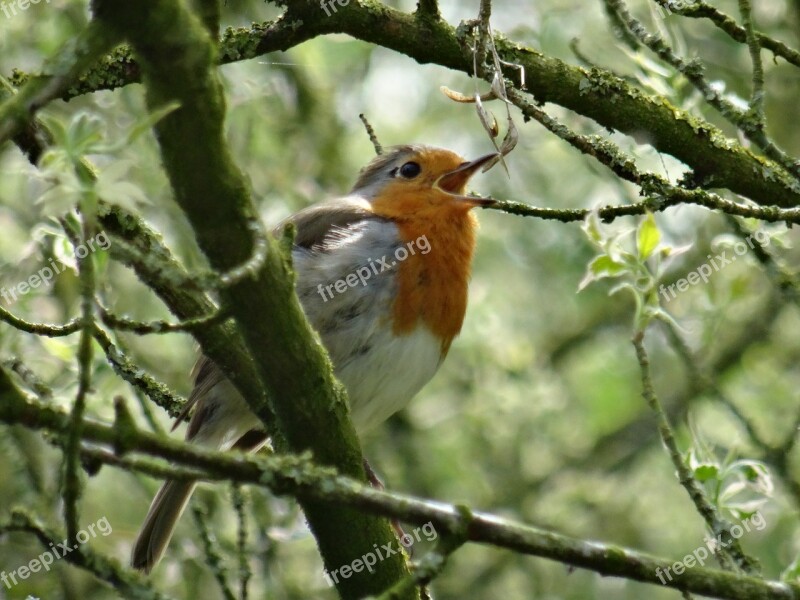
[[376, 482]]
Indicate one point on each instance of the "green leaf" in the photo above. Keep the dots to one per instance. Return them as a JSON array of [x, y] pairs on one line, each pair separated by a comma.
[[706, 472], [84, 133], [602, 266], [648, 237]]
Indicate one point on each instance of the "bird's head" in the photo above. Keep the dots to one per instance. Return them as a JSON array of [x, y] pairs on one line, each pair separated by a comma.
[[418, 181]]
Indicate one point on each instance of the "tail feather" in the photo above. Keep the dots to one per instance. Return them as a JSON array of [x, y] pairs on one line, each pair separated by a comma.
[[160, 523]]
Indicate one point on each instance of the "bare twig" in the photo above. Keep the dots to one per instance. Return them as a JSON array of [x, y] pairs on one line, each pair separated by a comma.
[[128, 584], [211, 550], [240, 506], [753, 45], [72, 487], [44, 329], [137, 377], [371, 133], [159, 327], [730, 555], [693, 71], [698, 9]]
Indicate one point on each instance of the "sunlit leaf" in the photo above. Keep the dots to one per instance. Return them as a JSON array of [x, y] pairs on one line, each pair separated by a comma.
[[648, 237]]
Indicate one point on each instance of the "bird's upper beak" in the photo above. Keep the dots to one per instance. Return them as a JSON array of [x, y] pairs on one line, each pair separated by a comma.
[[454, 181]]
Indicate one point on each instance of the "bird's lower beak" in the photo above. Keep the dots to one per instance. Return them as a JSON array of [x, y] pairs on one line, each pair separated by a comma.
[[456, 180]]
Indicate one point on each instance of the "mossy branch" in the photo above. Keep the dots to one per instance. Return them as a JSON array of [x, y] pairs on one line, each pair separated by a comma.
[[300, 477], [716, 161], [212, 192]]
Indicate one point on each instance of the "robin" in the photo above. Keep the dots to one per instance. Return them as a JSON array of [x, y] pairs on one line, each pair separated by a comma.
[[382, 275]]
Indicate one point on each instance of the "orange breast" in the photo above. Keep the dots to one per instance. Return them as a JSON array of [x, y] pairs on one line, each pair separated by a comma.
[[433, 286]]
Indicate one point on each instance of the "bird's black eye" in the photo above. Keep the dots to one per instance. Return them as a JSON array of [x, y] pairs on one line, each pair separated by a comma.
[[410, 170]]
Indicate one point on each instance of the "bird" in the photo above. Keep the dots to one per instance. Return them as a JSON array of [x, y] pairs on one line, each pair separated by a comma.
[[382, 276]]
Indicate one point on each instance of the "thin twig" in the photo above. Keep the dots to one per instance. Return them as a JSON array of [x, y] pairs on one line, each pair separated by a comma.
[[670, 196], [618, 26], [29, 378], [693, 71], [127, 583], [45, 329], [662, 192], [249, 268], [137, 377], [697, 9], [730, 554], [72, 488], [121, 323], [371, 133], [211, 550], [240, 506], [757, 97]]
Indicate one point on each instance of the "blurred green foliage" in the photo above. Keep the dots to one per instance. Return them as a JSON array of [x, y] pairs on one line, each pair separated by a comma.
[[537, 413]]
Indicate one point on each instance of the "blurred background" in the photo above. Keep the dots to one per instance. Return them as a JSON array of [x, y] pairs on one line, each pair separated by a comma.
[[537, 412]]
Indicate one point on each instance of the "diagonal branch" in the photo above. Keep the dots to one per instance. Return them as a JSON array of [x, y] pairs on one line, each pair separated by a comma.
[[309, 404], [697, 9], [299, 477], [716, 160]]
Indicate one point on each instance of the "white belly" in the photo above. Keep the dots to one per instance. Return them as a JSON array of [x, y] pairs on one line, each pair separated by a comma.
[[383, 380]]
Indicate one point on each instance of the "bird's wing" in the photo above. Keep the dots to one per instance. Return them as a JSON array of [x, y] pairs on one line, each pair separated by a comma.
[[206, 375], [316, 222]]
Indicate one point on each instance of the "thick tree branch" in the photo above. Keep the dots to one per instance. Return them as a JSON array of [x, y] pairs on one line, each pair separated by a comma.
[[298, 476], [716, 161], [310, 406]]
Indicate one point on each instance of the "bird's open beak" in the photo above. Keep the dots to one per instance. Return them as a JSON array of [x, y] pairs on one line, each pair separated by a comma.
[[454, 181]]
